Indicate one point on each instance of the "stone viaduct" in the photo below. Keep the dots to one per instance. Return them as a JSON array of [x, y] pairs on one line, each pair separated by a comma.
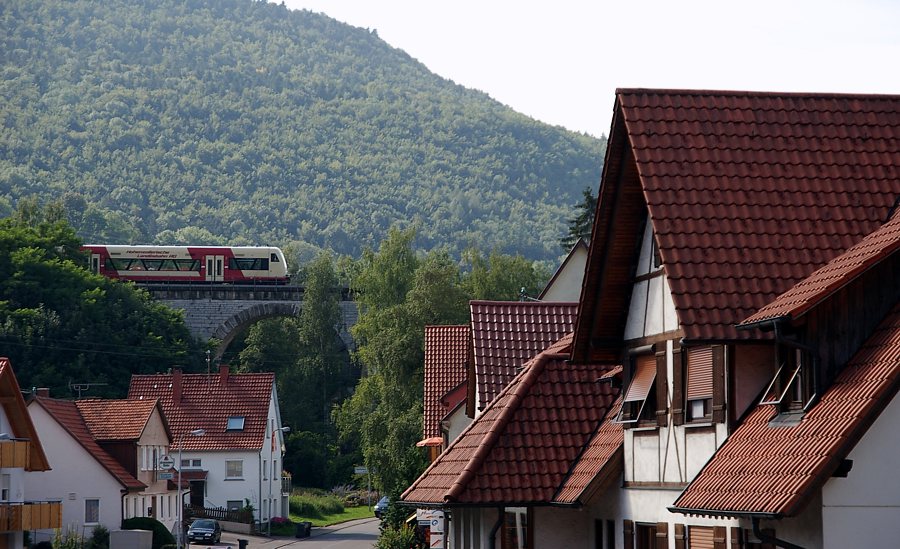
[[224, 311]]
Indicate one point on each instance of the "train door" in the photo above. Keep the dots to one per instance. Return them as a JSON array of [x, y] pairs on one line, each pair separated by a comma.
[[215, 268], [95, 263]]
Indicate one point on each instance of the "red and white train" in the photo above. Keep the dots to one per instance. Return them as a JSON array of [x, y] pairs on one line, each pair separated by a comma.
[[208, 264]]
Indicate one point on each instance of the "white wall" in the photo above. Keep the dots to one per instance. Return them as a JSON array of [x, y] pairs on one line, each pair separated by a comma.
[[74, 477], [456, 423], [566, 286], [652, 310], [14, 480]]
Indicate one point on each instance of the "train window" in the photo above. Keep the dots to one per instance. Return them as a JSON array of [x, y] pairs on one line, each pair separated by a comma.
[[273, 258], [168, 265], [264, 264], [152, 264], [188, 264], [249, 264], [118, 264]]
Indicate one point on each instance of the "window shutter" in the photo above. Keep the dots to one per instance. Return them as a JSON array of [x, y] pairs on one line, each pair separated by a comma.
[[662, 535], [642, 382], [628, 534], [700, 537], [679, 536], [718, 401], [662, 390], [699, 373], [677, 385], [719, 533], [737, 538]]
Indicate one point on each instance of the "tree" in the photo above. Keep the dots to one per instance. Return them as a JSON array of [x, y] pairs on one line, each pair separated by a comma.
[[581, 225], [502, 277]]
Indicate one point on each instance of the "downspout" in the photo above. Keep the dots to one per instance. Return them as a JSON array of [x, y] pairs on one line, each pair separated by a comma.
[[765, 538], [492, 539]]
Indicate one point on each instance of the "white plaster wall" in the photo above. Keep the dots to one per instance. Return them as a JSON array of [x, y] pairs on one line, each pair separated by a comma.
[[862, 509], [218, 490], [651, 310], [74, 476], [16, 486], [270, 487], [567, 284], [457, 423]]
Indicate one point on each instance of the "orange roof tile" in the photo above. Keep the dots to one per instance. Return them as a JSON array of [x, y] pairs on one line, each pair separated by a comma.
[[207, 403], [110, 420], [505, 334], [521, 449], [835, 275], [773, 470], [66, 413], [446, 362]]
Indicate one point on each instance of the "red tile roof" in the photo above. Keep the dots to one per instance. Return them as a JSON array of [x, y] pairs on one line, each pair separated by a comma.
[[20, 424], [833, 276], [748, 194], [446, 363], [521, 449], [120, 420], [66, 413], [773, 470], [207, 403], [505, 334]]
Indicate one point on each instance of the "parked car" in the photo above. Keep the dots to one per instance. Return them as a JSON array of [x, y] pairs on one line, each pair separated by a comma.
[[205, 531], [381, 506]]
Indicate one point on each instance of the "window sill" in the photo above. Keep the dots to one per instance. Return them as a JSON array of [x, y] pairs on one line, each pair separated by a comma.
[[698, 424], [644, 428], [233, 478]]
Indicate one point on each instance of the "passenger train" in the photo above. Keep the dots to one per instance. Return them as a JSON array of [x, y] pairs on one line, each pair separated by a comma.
[[204, 264]]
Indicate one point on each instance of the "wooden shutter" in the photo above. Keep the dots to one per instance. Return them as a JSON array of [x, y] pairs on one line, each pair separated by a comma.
[[700, 537], [662, 390], [737, 538], [628, 534], [719, 541], [642, 382], [699, 373], [679, 536], [662, 535], [718, 400], [677, 385]]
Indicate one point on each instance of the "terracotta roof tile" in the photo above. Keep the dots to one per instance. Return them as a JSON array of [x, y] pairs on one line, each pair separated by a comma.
[[66, 413], [207, 403], [110, 420], [522, 447], [446, 363], [834, 275], [505, 334], [769, 469]]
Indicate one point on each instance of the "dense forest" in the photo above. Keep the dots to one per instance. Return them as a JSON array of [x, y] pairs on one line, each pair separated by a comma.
[[243, 122]]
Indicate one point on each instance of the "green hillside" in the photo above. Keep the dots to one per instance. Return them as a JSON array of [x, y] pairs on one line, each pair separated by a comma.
[[239, 122]]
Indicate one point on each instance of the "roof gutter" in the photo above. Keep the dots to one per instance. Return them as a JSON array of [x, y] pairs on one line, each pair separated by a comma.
[[492, 537], [754, 519]]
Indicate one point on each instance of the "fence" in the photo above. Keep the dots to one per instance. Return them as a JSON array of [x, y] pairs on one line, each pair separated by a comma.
[[219, 513]]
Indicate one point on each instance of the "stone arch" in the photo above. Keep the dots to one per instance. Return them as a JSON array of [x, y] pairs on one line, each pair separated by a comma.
[[228, 330]]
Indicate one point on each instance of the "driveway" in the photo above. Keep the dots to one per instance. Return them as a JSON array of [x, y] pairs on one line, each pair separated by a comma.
[[356, 534]]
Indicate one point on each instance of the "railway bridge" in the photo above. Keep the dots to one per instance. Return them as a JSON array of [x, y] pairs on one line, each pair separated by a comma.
[[222, 311]]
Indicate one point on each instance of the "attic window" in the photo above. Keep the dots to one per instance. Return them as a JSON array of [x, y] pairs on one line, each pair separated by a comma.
[[235, 423], [792, 388], [640, 391]]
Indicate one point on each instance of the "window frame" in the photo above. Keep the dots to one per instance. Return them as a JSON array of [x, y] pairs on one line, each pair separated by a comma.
[[703, 395], [792, 387], [643, 367], [517, 528], [229, 426], [228, 471], [96, 510]]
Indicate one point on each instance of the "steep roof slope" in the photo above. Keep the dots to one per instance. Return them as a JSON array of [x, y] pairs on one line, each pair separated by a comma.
[[773, 470], [446, 363], [521, 449], [748, 193], [17, 414], [66, 413], [506, 334], [207, 401], [110, 420]]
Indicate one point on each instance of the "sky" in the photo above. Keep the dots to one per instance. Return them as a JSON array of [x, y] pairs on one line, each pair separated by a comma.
[[560, 61]]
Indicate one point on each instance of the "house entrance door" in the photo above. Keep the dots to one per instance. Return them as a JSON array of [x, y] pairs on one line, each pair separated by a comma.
[[198, 489]]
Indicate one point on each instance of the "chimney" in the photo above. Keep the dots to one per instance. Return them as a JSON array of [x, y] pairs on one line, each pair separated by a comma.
[[42, 392], [223, 374], [176, 385]]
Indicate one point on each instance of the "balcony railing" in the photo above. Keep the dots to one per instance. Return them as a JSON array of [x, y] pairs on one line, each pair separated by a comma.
[[286, 484], [14, 453], [30, 515]]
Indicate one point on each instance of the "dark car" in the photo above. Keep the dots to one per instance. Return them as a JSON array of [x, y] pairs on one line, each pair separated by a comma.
[[205, 531], [381, 506]]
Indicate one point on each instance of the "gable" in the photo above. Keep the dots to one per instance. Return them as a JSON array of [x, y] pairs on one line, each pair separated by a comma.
[[16, 413]]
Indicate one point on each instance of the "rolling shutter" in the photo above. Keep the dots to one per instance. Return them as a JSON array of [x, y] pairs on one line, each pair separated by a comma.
[[642, 382], [700, 373], [700, 537]]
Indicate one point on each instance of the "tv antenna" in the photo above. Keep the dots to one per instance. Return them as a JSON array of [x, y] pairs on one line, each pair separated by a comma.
[[79, 387]]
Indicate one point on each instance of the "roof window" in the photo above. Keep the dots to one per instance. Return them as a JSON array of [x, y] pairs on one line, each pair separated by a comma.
[[235, 423]]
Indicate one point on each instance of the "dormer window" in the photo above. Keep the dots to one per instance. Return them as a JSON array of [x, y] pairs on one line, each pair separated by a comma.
[[792, 388], [235, 423], [639, 403]]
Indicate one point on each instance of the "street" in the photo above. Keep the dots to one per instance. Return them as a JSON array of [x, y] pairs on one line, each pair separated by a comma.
[[357, 534]]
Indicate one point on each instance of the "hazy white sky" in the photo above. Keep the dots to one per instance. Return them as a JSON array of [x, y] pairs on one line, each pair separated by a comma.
[[560, 61]]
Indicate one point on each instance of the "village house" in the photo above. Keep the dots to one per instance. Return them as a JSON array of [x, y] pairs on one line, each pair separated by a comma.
[[104, 455], [738, 320], [227, 437], [21, 454]]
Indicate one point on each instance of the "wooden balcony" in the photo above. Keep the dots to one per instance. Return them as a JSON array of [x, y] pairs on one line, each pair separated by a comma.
[[30, 515], [14, 453]]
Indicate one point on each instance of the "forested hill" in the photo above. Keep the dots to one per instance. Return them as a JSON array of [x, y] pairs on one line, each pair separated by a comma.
[[239, 122]]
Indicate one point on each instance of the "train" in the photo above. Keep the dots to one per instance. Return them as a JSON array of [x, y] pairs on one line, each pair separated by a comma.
[[186, 264]]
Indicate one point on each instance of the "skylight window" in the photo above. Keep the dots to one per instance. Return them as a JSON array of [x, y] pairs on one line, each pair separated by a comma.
[[235, 423]]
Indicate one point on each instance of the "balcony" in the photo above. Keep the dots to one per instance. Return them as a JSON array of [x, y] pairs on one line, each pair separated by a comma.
[[286, 484], [30, 515], [14, 453]]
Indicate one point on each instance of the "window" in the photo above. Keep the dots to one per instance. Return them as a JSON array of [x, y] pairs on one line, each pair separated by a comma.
[[234, 505], [793, 387], [234, 468], [699, 391], [265, 468], [644, 536], [274, 258], [249, 264], [235, 423], [191, 463], [91, 511], [516, 528], [640, 399]]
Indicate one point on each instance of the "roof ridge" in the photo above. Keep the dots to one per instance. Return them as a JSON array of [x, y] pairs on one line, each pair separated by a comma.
[[517, 395], [753, 93]]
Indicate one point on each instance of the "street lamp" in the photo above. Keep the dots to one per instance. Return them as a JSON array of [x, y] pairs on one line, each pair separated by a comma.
[[195, 433], [284, 429]]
